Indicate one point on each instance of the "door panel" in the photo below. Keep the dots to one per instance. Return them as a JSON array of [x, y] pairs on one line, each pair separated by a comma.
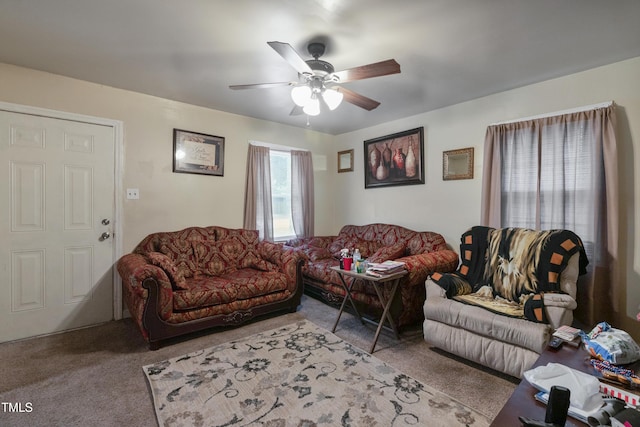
[[56, 188]]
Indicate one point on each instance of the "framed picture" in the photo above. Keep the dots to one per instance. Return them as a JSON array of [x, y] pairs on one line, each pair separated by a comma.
[[195, 152], [345, 161], [457, 164], [396, 159]]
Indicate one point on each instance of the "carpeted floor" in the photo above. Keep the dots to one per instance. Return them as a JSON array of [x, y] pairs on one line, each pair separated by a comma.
[[93, 377]]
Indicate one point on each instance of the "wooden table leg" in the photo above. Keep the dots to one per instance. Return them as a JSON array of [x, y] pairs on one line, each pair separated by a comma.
[[347, 296], [385, 314]]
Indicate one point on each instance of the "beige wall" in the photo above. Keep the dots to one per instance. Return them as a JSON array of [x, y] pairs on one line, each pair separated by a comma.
[[450, 207], [172, 201], [168, 201]]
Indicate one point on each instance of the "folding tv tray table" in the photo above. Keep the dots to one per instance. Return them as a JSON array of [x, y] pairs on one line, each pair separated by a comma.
[[390, 280]]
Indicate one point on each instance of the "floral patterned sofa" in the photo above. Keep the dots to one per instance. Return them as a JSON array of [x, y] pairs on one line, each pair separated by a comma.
[[179, 282], [513, 288], [423, 252]]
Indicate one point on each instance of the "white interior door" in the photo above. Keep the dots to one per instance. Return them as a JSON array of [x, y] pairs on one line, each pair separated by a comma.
[[57, 208]]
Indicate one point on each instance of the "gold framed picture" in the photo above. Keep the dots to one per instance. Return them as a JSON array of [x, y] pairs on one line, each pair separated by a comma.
[[345, 161], [457, 164]]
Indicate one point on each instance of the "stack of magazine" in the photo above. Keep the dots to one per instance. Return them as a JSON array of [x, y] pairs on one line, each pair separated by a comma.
[[568, 334], [385, 269]]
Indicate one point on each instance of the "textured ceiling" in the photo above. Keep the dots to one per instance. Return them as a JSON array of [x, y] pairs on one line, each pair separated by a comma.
[[449, 51]]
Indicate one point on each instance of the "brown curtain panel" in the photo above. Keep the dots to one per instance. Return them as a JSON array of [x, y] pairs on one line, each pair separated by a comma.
[[258, 213], [561, 172]]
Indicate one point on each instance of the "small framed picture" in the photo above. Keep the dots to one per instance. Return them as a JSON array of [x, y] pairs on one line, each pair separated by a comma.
[[457, 164], [199, 153], [345, 161]]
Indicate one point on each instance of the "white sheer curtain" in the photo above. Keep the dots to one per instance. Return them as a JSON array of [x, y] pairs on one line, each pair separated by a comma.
[[560, 172], [258, 212], [302, 195]]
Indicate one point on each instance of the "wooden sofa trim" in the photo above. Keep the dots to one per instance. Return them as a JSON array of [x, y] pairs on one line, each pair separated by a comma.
[[159, 330]]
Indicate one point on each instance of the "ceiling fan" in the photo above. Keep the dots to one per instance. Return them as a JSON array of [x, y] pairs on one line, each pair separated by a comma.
[[318, 81]]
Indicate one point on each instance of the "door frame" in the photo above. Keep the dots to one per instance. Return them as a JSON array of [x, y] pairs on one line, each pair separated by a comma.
[[118, 133]]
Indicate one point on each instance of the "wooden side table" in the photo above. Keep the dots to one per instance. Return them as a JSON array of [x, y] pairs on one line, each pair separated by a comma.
[[391, 280]]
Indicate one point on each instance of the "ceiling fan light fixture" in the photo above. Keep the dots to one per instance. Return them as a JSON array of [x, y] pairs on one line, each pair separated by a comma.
[[312, 108], [332, 98], [301, 95]]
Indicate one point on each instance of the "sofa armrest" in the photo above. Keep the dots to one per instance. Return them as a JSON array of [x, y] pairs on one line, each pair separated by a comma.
[[560, 300], [434, 291], [559, 309], [288, 260], [420, 266], [134, 269]]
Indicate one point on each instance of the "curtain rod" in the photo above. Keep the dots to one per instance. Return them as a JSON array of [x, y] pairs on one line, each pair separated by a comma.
[[276, 146], [558, 113]]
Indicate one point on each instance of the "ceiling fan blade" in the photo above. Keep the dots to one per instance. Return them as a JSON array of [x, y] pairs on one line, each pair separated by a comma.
[[291, 56], [262, 85], [357, 99], [383, 68]]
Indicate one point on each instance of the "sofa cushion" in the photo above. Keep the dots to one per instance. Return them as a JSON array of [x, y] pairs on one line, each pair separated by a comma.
[[217, 258], [520, 332], [181, 253], [204, 291], [251, 283], [321, 270], [388, 253], [315, 253], [164, 262]]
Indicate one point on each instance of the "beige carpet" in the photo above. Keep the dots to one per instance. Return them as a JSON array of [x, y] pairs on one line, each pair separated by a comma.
[[93, 377]]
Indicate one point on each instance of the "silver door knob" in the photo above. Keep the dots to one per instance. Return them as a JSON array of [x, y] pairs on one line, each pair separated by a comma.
[[105, 236]]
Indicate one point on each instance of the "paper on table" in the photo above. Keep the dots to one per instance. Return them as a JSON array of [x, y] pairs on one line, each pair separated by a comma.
[[585, 388]]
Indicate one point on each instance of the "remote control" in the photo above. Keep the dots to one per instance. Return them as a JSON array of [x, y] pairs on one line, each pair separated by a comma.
[[555, 343]]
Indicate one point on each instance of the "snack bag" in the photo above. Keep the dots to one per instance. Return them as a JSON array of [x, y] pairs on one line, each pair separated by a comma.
[[610, 344]]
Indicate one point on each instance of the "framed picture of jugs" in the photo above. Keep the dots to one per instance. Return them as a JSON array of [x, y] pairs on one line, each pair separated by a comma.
[[396, 159]]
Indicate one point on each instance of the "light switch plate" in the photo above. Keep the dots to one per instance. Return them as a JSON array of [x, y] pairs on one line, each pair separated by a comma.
[[133, 193]]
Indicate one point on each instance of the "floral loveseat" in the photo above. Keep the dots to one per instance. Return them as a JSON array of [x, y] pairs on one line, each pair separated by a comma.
[[423, 252], [200, 277], [513, 288]]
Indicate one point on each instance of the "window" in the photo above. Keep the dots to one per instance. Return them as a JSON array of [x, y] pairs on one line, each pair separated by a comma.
[[280, 162], [279, 193], [561, 171], [548, 178]]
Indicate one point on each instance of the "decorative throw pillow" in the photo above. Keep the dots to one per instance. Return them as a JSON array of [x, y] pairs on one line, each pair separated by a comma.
[[270, 251], [340, 243], [368, 247], [388, 253], [181, 253], [315, 253], [253, 260], [164, 262], [217, 258]]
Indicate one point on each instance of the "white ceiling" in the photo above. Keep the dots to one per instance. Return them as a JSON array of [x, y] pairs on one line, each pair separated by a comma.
[[449, 51]]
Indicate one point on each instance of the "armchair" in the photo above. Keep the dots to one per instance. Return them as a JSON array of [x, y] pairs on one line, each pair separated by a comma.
[[513, 287]]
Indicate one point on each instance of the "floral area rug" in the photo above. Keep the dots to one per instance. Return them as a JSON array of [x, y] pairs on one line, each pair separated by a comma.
[[297, 375]]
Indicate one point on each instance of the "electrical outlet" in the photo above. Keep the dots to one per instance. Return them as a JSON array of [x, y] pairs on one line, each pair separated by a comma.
[[133, 193]]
